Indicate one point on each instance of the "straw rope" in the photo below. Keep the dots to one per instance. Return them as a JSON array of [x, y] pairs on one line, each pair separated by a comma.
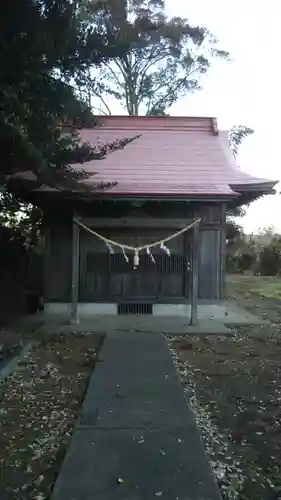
[[108, 241]]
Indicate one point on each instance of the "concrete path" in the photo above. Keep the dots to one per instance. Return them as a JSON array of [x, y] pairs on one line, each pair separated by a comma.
[[136, 438], [174, 325]]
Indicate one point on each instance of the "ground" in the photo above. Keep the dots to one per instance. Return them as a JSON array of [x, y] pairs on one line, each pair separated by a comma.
[[232, 383], [234, 387], [39, 404], [10, 344]]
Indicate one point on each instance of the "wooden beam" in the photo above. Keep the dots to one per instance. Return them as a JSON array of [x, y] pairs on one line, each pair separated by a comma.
[[143, 222], [75, 272], [194, 274], [133, 222]]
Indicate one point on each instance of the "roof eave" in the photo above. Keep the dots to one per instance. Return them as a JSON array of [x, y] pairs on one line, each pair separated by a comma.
[[266, 187], [249, 193], [103, 196]]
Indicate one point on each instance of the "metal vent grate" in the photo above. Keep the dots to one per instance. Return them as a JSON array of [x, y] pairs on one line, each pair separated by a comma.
[[135, 309]]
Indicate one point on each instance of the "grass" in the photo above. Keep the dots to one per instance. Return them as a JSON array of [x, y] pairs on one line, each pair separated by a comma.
[[234, 386], [270, 290], [268, 287], [39, 405]]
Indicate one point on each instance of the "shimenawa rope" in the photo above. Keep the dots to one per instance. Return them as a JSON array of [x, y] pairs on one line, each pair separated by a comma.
[[111, 243]]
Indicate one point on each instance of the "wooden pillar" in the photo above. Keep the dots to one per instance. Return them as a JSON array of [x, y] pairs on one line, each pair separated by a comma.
[[222, 283], [47, 258], [195, 272], [75, 273], [187, 266]]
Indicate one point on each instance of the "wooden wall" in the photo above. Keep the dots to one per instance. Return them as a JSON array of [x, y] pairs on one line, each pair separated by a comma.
[[58, 260], [104, 277]]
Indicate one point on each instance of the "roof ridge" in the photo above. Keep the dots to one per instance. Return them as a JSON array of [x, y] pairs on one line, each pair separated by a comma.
[[158, 123]]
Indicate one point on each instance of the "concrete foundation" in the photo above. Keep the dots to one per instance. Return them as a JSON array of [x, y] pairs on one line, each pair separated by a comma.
[[205, 311], [174, 318], [84, 309]]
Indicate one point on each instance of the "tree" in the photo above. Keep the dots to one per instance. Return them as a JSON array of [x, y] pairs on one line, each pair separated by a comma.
[[165, 60], [44, 47], [236, 136], [234, 232]]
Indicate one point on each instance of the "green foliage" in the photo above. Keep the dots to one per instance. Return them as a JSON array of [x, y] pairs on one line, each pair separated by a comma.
[[245, 261], [270, 254], [21, 220], [234, 232], [236, 136], [260, 253], [45, 45], [166, 57], [269, 261]]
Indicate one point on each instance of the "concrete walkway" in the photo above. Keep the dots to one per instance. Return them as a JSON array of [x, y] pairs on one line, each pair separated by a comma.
[[141, 324], [136, 438]]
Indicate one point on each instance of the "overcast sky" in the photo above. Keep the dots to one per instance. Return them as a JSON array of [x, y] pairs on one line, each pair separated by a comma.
[[246, 91]]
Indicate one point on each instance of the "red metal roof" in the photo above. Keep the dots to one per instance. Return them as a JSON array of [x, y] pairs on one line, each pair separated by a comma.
[[173, 156]]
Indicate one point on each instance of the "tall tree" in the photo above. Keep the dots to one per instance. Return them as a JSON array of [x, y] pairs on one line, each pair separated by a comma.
[[165, 60], [45, 45]]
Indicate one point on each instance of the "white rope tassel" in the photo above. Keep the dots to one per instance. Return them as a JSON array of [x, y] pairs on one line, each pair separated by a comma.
[[165, 249], [110, 248], [125, 255], [150, 255], [136, 259]]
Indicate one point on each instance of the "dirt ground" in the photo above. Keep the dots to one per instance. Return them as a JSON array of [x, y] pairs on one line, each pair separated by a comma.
[[39, 405], [234, 387], [11, 343]]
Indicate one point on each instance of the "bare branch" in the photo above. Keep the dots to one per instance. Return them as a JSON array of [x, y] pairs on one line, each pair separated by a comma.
[[117, 81], [101, 110]]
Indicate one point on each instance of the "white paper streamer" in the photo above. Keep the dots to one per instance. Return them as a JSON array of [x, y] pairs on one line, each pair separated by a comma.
[[150, 255], [136, 259], [110, 248], [165, 249], [125, 255]]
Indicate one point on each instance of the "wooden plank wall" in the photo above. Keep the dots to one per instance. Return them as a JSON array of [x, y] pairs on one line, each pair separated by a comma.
[[104, 276], [212, 255], [119, 225], [58, 269]]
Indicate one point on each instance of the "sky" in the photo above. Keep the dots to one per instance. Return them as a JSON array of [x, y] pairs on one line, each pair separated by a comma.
[[245, 91]]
